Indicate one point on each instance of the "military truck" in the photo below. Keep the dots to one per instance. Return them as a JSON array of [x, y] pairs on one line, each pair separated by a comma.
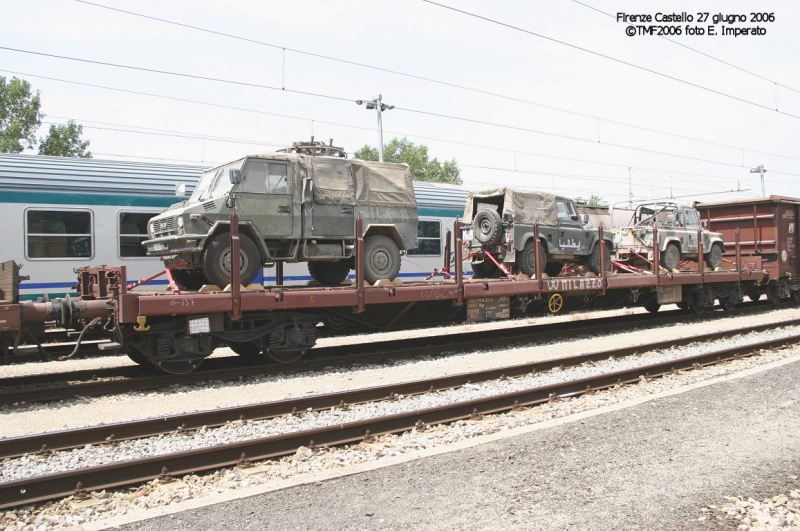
[[678, 228], [500, 222], [295, 205]]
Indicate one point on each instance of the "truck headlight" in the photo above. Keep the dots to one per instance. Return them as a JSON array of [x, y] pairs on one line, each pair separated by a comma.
[[180, 226]]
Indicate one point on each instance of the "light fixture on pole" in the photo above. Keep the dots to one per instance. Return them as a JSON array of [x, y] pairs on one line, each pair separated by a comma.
[[378, 105], [760, 169]]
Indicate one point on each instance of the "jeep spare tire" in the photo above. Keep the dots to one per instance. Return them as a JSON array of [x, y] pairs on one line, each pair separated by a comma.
[[217, 260], [488, 227], [381, 259]]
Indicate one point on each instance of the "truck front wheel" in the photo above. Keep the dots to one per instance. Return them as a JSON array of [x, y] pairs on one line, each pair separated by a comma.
[[381, 259], [217, 260], [329, 273]]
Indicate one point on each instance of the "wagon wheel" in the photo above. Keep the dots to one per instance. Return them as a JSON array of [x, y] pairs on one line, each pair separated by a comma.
[[795, 295], [652, 305], [285, 356], [774, 293], [727, 303], [158, 350], [555, 303]]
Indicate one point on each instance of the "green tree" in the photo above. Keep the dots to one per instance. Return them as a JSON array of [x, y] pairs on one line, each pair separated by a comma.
[[595, 200], [416, 156], [65, 141], [20, 116]]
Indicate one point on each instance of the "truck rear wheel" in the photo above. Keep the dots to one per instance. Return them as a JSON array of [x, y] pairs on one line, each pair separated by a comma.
[[217, 260], [526, 259], [485, 269], [329, 273], [671, 257], [381, 259]]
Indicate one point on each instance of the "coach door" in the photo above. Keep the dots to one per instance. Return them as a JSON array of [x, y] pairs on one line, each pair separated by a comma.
[[266, 197]]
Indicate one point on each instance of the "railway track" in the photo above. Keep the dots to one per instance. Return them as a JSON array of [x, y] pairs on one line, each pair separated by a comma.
[[61, 386], [122, 473]]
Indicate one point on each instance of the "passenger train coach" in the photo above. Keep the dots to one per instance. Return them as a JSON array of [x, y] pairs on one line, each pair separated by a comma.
[[61, 213]]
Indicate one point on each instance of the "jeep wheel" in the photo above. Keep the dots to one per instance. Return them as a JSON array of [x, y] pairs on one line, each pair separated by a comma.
[[714, 257], [217, 260], [329, 273], [671, 257], [485, 269], [526, 259], [488, 227], [594, 259], [189, 278], [381, 259]]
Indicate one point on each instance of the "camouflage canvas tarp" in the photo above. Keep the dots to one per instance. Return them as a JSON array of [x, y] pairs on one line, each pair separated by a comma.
[[383, 183], [525, 206]]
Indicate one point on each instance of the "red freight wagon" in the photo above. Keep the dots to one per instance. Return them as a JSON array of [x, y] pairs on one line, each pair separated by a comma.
[[767, 232]]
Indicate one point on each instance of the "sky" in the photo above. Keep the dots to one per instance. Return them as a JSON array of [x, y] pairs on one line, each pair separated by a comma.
[[542, 94]]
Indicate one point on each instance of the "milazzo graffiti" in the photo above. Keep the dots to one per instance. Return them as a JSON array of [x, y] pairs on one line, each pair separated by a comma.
[[569, 284]]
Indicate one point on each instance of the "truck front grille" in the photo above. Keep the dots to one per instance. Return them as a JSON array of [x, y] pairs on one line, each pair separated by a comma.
[[163, 227]]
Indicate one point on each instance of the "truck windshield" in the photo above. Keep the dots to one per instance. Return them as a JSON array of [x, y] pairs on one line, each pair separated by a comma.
[[215, 183]]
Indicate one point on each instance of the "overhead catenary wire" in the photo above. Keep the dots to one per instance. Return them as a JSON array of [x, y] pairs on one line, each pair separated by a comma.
[[365, 128], [429, 113], [421, 78]]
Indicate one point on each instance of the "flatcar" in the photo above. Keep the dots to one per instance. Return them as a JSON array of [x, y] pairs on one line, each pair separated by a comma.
[[60, 214]]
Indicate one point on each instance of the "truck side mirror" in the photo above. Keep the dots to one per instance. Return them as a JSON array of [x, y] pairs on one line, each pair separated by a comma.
[[585, 219], [308, 190], [704, 223], [235, 176]]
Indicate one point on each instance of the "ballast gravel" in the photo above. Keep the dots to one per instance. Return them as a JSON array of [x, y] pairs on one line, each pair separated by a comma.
[[305, 461], [89, 456]]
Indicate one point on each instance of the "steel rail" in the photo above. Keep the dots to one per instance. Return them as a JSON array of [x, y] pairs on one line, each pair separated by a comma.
[[61, 440], [323, 357], [51, 486]]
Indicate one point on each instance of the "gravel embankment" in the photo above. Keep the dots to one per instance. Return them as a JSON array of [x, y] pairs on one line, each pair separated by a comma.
[[657, 465]]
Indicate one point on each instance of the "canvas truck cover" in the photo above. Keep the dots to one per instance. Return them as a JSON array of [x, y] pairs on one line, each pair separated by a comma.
[[339, 181], [525, 206]]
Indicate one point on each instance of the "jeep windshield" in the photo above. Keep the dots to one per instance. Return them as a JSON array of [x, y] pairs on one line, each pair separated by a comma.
[[215, 182]]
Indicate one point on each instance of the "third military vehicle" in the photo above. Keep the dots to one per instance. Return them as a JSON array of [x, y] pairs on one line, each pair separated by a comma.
[[678, 229]]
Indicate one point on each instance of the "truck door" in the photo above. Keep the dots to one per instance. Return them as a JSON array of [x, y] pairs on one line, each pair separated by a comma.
[[331, 214], [570, 234], [265, 197]]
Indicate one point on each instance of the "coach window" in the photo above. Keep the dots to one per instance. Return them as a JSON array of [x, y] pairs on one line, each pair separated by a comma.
[[59, 234], [132, 232], [429, 239]]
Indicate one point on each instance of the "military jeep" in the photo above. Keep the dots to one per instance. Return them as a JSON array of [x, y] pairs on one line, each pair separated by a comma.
[[294, 205], [500, 222], [678, 228]]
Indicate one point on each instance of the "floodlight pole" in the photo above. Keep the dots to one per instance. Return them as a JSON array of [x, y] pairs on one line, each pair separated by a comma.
[[760, 169], [377, 104]]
